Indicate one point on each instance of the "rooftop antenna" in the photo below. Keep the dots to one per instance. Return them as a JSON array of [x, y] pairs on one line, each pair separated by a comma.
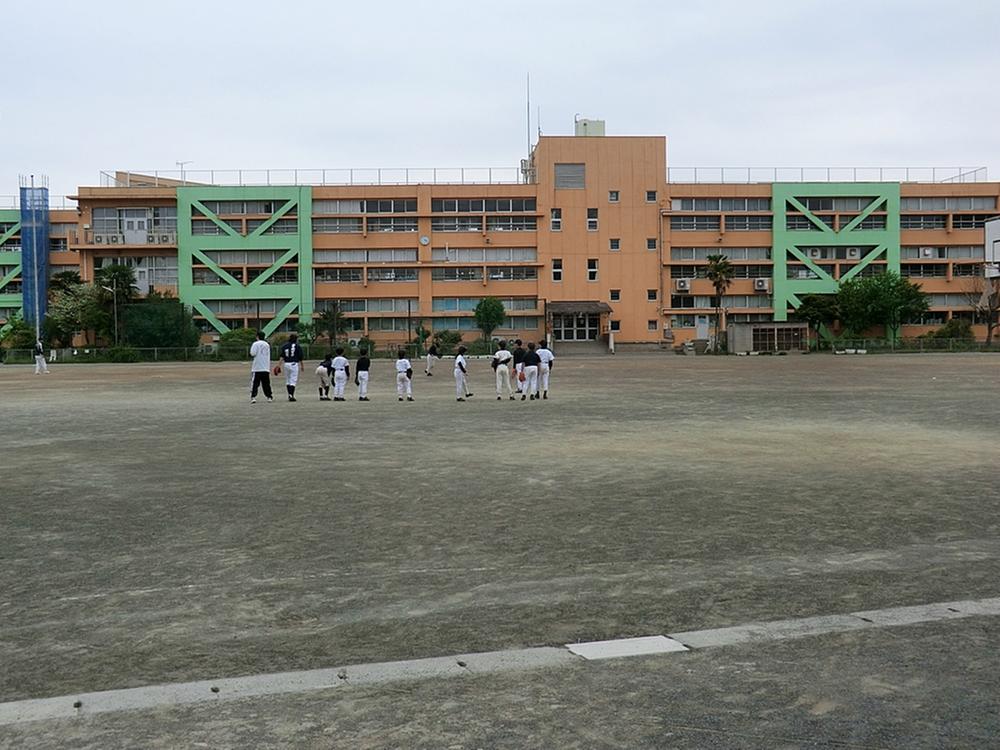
[[527, 92], [538, 121]]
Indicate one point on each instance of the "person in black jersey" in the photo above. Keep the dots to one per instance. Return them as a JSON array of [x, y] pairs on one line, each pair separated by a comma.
[[291, 357], [362, 368], [531, 364]]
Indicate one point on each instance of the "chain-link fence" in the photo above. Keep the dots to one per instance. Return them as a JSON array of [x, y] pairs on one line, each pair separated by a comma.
[[910, 345]]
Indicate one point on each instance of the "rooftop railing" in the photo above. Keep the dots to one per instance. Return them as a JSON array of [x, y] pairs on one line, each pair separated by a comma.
[[55, 202], [752, 175], [277, 177]]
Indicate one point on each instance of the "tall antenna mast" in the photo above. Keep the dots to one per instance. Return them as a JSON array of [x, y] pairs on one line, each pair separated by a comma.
[[527, 92]]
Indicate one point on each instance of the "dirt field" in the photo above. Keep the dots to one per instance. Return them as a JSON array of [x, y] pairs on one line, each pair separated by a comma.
[[156, 527]]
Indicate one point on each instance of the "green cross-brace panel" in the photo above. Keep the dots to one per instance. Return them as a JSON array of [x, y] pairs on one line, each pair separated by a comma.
[[10, 259], [788, 243], [293, 248]]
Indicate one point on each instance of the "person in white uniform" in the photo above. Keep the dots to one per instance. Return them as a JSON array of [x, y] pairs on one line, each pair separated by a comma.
[[361, 373], [432, 354], [502, 361], [531, 362], [40, 367], [341, 372], [291, 358], [546, 356], [404, 376], [461, 376], [260, 354]]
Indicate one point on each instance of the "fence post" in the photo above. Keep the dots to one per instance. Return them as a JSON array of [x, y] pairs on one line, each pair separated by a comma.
[[156, 354]]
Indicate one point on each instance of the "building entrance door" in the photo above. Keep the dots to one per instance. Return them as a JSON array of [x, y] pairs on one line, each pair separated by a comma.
[[576, 327]]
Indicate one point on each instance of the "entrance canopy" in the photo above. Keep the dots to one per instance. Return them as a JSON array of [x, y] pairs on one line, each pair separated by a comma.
[[583, 307]]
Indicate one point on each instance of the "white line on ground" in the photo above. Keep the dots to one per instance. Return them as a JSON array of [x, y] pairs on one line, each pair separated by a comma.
[[232, 688]]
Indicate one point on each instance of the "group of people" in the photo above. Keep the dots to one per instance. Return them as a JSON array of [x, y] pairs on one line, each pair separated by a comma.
[[523, 372]]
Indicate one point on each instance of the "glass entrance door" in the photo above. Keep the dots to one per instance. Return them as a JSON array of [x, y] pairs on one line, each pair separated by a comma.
[[577, 327]]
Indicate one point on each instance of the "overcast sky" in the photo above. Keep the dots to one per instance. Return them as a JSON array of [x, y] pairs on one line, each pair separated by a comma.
[[92, 85]]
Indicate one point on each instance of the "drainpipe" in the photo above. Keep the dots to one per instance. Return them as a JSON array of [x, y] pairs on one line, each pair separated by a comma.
[[659, 270]]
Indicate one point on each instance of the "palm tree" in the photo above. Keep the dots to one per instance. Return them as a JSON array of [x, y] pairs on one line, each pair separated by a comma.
[[720, 272], [332, 322]]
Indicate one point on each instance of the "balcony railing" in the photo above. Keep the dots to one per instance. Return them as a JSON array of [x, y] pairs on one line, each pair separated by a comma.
[[757, 175], [279, 177]]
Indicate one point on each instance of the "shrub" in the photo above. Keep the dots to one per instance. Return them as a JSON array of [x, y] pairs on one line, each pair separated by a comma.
[[447, 340], [122, 354]]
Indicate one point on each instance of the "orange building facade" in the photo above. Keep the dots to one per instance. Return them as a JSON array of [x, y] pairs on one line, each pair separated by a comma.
[[592, 246]]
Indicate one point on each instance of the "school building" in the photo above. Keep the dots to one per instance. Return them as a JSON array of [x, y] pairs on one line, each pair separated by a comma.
[[591, 241]]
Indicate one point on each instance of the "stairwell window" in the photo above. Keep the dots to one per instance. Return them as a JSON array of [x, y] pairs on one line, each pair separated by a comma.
[[616, 295], [591, 219], [557, 269], [614, 244], [591, 269], [555, 219]]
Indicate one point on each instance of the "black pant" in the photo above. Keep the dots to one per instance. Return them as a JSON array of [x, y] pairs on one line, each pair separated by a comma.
[[261, 379]]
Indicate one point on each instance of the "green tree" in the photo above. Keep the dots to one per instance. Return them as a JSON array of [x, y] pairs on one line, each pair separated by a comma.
[[983, 296], [447, 340], [18, 334], [489, 315], [307, 331], [78, 309], [331, 322], [817, 310], [160, 322], [720, 272], [886, 299], [64, 280], [236, 343], [421, 334], [120, 280]]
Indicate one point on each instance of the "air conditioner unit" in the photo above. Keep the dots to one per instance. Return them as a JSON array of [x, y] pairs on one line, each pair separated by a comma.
[[761, 285], [98, 239], [113, 238], [853, 253], [815, 252], [927, 252], [353, 342], [682, 285], [164, 239], [150, 239]]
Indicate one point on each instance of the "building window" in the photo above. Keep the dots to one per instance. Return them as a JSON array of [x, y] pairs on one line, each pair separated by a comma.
[[651, 243], [456, 224], [613, 196], [591, 269], [557, 269], [650, 196], [651, 295], [748, 223], [694, 223], [512, 273], [614, 244], [591, 219], [651, 325], [616, 295], [570, 176], [616, 325], [555, 217], [511, 224], [457, 273]]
